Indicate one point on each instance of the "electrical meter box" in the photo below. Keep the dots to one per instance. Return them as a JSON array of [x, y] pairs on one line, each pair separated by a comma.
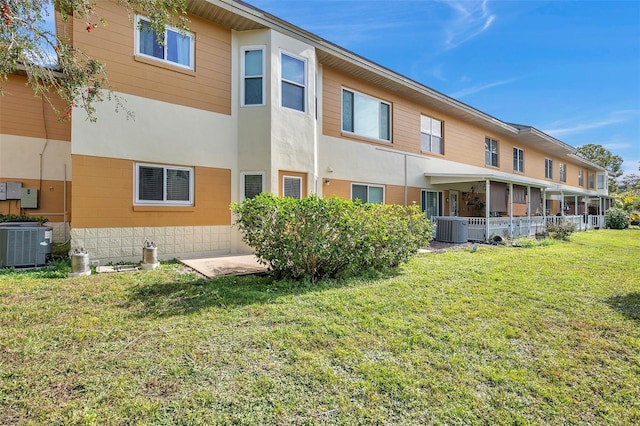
[[14, 190], [3, 191], [29, 198]]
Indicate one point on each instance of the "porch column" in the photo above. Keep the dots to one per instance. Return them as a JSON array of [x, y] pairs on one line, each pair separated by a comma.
[[511, 209], [544, 206], [575, 208], [561, 203], [586, 212], [487, 186], [529, 203]]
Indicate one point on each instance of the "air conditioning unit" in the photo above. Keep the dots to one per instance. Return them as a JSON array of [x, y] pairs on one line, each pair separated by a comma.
[[24, 244], [452, 229]]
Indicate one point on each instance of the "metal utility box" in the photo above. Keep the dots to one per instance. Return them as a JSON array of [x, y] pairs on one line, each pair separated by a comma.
[[3, 191], [452, 229], [14, 190], [24, 244], [29, 198]]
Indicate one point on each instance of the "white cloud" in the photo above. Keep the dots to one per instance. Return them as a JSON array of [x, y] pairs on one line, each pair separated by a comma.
[[471, 20], [614, 117], [481, 87]]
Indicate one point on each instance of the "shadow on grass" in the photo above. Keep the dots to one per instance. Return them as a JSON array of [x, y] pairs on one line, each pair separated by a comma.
[[192, 295], [628, 305]]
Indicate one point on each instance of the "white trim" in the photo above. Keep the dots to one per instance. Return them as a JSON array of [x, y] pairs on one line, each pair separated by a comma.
[[298, 178], [364, 95], [243, 50], [192, 43], [522, 151], [164, 201], [242, 181], [305, 103], [368, 185]]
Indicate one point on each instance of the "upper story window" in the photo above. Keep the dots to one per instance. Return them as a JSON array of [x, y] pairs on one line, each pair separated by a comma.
[[252, 184], [253, 87], [292, 187], [491, 152], [367, 193], [548, 168], [156, 184], [518, 160], [366, 116], [431, 135], [177, 49], [591, 183], [294, 82], [580, 178], [600, 181], [563, 172]]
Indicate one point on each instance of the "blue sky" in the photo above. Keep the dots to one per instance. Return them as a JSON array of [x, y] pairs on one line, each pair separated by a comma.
[[568, 68]]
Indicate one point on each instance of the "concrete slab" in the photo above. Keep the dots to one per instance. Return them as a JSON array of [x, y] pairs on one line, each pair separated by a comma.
[[226, 265]]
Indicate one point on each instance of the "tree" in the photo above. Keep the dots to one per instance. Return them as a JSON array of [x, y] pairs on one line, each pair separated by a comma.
[[630, 182], [52, 65], [603, 157]]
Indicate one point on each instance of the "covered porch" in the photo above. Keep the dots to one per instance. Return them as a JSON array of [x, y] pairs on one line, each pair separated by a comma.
[[508, 207]]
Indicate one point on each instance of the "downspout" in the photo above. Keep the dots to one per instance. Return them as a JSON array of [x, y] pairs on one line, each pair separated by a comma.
[[64, 200], [406, 189]]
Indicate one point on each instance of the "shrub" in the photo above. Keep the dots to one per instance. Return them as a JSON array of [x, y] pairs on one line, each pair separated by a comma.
[[560, 230], [317, 238], [616, 218], [21, 218]]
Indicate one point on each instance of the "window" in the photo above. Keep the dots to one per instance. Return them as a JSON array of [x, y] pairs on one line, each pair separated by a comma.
[[431, 203], [518, 160], [491, 152], [292, 186], [367, 193], [563, 172], [600, 181], [164, 185], [366, 116], [580, 178], [178, 47], [548, 168], [253, 89], [431, 134], [293, 82], [591, 184], [252, 184]]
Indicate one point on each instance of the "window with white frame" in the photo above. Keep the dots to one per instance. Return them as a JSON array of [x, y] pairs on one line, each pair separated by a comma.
[[600, 181], [563, 172], [491, 152], [518, 160], [252, 184], [294, 82], [591, 182], [292, 187], [253, 87], [431, 135], [367, 193], [366, 116], [174, 46], [157, 184], [431, 203], [580, 178], [548, 168]]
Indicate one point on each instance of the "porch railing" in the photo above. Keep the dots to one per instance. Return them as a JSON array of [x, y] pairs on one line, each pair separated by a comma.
[[482, 229]]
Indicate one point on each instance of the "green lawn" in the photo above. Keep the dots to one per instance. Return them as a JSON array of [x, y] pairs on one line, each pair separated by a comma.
[[543, 335]]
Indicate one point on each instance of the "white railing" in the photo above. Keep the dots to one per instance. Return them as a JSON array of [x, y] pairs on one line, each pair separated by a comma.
[[523, 226]]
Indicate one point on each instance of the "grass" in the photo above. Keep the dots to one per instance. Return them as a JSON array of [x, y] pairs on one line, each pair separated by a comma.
[[540, 335]]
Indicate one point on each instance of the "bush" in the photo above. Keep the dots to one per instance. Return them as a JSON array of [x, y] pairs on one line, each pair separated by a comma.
[[616, 218], [560, 230], [22, 218], [318, 238]]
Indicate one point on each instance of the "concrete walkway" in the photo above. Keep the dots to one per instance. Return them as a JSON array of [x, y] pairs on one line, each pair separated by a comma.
[[226, 265]]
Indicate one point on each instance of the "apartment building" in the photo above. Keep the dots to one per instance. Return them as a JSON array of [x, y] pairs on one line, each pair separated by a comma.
[[247, 103]]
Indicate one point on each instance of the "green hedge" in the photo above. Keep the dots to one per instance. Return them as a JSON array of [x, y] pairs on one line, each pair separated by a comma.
[[21, 218], [316, 238]]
